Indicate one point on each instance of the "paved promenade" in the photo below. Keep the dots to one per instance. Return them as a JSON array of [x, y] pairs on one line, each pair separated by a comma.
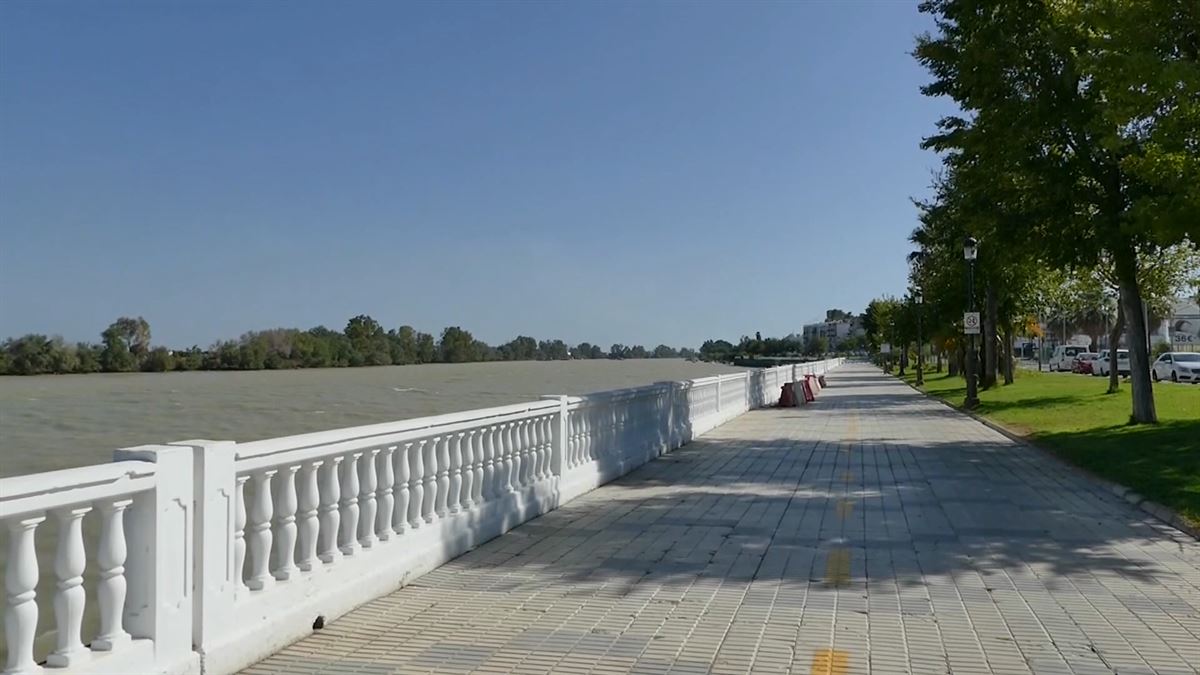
[[874, 531]]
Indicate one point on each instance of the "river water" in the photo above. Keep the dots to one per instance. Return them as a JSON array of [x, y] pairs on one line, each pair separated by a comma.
[[59, 421]]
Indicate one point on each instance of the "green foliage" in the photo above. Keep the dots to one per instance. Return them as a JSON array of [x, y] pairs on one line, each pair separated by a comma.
[[816, 345], [126, 348], [1075, 149], [368, 341], [457, 346], [158, 360]]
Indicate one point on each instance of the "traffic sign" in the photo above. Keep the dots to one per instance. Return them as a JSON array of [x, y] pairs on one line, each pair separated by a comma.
[[971, 323]]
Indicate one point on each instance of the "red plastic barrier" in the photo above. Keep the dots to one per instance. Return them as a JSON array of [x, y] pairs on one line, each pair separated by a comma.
[[787, 396], [809, 397]]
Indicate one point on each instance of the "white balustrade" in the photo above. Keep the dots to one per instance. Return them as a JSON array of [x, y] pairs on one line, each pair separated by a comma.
[[330, 511], [454, 494], [239, 533], [286, 503], [476, 443], [429, 503], [20, 582], [258, 535], [156, 481], [69, 595], [400, 519], [367, 503], [349, 506], [278, 531], [308, 518], [111, 587], [441, 503], [386, 499]]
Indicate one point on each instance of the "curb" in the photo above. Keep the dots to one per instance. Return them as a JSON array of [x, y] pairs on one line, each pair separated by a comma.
[[1158, 511]]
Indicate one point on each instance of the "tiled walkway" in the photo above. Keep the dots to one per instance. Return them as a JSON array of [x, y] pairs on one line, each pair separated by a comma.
[[873, 531]]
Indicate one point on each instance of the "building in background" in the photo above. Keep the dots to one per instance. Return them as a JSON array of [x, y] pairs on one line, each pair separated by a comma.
[[837, 327]]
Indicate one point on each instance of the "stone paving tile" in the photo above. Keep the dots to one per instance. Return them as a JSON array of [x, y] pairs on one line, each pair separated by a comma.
[[874, 531]]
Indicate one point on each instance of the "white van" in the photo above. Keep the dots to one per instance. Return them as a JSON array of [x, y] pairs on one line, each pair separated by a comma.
[[1064, 356]]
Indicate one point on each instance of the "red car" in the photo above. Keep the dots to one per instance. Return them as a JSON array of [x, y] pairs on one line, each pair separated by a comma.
[[1083, 363]]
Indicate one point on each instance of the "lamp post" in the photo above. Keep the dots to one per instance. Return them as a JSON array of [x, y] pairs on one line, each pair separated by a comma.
[[970, 251], [920, 345]]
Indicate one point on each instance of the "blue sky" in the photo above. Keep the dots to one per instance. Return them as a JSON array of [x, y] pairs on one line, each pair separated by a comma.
[[627, 171]]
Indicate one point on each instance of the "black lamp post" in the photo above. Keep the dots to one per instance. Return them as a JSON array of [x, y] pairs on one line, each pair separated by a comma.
[[920, 344], [970, 251]]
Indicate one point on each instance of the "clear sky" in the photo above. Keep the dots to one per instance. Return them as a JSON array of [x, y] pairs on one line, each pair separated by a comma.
[[612, 172]]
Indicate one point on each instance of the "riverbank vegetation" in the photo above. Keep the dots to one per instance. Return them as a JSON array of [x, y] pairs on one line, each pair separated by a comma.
[[125, 347], [1069, 416]]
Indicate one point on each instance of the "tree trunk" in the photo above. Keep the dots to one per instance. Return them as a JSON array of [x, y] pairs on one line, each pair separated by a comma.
[[989, 339], [903, 360], [1008, 354], [1114, 341], [939, 361], [1139, 351]]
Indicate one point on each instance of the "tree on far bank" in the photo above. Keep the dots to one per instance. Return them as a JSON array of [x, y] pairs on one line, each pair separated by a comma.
[[457, 346]]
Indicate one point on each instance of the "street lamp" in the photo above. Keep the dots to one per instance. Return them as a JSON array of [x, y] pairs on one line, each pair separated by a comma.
[[920, 298], [970, 252]]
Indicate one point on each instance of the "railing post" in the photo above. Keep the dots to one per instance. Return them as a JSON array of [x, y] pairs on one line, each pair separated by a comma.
[[214, 481], [161, 543]]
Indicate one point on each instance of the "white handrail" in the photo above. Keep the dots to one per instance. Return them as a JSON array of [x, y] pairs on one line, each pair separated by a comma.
[[213, 554]]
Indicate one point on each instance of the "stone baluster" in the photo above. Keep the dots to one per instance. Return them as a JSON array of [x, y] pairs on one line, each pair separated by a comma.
[[487, 439], [366, 499], [513, 450], [69, 596], [239, 534], [527, 452], [537, 449], [477, 477], [429, 479], [400, 515], [349, 510], [533, 435], [454, 494], [20, 584], [386, 501], [111, 586], [468, 471], [547, 447], [309, 504], [286, 503], [443, 476], [416, 483], [573, 440], [259, 535], [330, 511]]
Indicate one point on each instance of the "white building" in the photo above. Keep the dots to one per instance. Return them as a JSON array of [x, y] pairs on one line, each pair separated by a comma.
[[834, 332]]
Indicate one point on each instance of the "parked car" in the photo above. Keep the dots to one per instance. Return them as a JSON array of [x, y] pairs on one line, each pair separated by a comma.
[[1083, 363], [1063, 356], [1177, 367], [1104, 365]]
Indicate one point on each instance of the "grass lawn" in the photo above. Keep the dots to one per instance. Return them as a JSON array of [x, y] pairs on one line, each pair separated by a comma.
[[1072, 416]]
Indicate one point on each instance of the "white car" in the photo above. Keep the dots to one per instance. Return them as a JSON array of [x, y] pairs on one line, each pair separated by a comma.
[[1177, 367], [1103, 364], [1064, 356]]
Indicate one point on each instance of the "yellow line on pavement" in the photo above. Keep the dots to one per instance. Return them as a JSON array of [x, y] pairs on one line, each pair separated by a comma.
[[837, 566], [845, 507], [830, 662]]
